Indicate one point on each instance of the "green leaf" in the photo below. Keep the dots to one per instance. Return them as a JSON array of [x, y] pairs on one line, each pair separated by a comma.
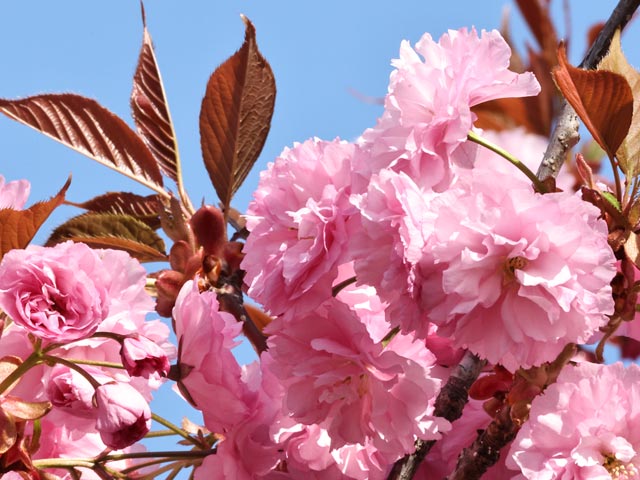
[[611, 198], [235, 116], [108, 230], [145, 209]]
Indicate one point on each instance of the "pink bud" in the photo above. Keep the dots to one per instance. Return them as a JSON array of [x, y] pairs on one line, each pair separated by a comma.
[[124, 416], [142, 357]]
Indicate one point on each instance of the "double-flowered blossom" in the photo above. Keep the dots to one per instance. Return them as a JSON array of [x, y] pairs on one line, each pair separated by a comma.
[[298, 223], [335, 375], [511, 274], [238, 403], [58, 294], [396, 220], [583, 426], [517, 275], [427, 117], [206, 337], [58, 280]]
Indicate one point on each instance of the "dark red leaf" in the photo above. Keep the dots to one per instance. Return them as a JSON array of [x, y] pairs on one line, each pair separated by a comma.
[[87, 127], [236, 116], [538, 17], [150, 109]]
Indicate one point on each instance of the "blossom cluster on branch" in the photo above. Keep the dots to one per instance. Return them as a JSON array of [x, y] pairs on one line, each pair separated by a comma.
[[386, 269]]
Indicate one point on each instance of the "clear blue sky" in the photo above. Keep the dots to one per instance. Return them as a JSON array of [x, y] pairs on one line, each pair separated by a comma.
[[318, 52]]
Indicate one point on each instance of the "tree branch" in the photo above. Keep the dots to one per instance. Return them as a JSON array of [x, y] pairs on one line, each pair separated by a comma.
[[565, 135], [449, 404], [485, 450]]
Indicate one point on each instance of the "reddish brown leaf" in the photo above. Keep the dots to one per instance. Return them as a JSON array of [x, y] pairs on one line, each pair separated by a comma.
[[515, 62], [24, 410], [538, 17], [602, 99], [8, 365], [146, 209], [108, 230], [8, 432], [18, 227], [236, 115], [541, 107], [87, 127], [151, 111], [629, 152], [593, 33]]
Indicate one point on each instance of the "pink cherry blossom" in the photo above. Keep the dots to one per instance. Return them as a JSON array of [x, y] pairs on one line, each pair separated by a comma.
[[583, 426], [298, 224], [335, 375], [143, 357], [427, 116], [69, 390], [14, 194], [206, 337], [397, 218], [247, 450], [59, 294], [129, 307], [309, 455], [124, 416], [514, 275], [68, 437]]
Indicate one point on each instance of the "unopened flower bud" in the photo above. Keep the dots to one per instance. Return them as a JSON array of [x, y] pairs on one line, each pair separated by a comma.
[[124, 416], [143, 357]]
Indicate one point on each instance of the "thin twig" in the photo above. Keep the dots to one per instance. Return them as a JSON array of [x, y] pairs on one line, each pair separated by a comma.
[[565, 135], [485, 451]]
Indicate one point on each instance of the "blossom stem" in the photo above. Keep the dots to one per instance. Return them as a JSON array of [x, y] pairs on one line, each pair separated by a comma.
[[174, 428], [96, 363], [539, 186], [31, 361], [73, 366], [231, 302], [174, 467], [184, 455], [342, 285], [92, 462]]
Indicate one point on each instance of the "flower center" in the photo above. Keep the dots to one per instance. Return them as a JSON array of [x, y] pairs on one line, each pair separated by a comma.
[[511, 265], [619, 470]]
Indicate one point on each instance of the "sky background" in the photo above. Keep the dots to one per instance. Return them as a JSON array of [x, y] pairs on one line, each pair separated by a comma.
[[320, 53]]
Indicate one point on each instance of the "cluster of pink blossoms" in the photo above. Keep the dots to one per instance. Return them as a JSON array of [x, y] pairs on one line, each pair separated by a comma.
[[71, 304], [450, 243], [380, 261]]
